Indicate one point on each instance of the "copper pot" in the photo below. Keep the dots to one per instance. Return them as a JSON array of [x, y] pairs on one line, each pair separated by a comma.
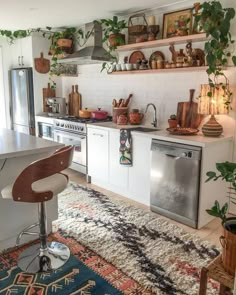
[[85, 113]]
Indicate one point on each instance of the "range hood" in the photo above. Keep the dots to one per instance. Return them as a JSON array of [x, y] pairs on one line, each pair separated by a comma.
[[89, 54]]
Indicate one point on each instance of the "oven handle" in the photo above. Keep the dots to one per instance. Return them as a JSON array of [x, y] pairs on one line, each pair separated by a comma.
[[70, 135]]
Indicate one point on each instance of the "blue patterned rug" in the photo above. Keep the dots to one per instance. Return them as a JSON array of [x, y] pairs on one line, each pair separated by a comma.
[[85, 273]]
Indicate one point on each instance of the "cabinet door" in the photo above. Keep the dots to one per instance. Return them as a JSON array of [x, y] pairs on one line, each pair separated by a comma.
[[21, 53], [139, 173], [98, 154], [118, 174], [26, 52], [15, 49]]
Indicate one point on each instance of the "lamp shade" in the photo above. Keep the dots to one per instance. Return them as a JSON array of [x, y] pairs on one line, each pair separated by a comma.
[[212, 105]]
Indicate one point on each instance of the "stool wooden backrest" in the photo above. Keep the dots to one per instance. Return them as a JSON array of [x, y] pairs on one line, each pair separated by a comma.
[[22, 190]]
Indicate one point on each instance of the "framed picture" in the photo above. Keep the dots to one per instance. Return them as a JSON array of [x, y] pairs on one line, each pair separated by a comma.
[[177, 23]]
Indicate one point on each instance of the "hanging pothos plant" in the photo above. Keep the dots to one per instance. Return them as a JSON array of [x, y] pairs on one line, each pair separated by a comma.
[[215, 21], [57, 49]]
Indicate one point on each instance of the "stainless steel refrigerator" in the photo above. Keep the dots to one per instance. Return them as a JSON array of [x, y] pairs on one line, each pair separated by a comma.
[[22, 100]]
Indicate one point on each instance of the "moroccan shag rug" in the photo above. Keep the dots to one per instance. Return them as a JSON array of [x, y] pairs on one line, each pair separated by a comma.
[[160, 256]]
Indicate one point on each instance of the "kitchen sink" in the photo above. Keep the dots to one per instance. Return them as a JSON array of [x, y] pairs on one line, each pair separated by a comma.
[[144, 129]]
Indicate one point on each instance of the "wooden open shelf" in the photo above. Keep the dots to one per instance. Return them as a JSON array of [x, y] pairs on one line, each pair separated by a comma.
[[160, 71], [163, 42]]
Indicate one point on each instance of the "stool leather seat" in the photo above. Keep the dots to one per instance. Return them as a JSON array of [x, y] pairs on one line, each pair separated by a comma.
[[55, 183]]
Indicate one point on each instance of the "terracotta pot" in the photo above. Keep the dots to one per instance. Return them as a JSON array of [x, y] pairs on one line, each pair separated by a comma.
[[135, 117], [99, 114], [85, 113], [117, 39], [64, 42], [228, 242], [173, 123]]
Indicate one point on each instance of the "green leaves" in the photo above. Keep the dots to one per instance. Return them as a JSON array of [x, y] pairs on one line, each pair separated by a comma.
[[215, 21], [216, 211]]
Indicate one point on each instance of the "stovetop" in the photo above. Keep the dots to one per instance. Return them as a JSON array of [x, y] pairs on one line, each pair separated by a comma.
[[83, 120], [75, 124]]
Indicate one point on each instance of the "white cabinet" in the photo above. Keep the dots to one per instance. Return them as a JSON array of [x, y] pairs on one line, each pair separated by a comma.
[[139, 173], [105, 169], [118, 174], [98, 151], [21, 52]]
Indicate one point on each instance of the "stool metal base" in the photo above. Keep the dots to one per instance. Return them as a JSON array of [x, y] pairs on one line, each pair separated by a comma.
[[34, 259]]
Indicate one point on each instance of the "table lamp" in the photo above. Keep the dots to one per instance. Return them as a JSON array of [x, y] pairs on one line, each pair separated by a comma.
[[213, 105]]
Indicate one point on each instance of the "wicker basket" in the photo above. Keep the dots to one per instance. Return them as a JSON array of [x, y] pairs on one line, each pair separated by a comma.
[[136, 30]]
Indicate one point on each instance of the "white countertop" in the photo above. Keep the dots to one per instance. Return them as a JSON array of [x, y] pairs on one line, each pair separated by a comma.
[[16, 144], [197, 140]]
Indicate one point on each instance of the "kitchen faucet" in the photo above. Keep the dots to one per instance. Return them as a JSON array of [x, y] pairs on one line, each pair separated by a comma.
[[154, 123]]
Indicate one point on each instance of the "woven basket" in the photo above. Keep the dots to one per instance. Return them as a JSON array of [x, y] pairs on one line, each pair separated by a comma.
[[136, 30]]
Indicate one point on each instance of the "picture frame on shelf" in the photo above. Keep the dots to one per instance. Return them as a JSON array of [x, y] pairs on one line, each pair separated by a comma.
[[177, 23]]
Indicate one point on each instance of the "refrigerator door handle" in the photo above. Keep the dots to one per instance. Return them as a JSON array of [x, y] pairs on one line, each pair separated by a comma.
[[22, 60], [19, 60]]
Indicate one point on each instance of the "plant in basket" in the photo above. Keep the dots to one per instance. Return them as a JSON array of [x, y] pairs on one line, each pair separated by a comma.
[[113, 37], [226, 172]]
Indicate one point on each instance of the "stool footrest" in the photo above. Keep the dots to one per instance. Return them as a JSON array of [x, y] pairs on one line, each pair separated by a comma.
[[26, 231]]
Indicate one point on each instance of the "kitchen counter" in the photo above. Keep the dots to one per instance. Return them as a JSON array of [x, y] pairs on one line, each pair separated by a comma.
[[17, 151], [197, 140], [14, 144]]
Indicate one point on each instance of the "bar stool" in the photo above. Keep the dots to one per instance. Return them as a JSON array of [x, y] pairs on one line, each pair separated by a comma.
[[38, 183]]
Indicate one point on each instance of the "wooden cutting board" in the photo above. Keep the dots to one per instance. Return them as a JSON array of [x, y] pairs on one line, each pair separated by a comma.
[[74, 102], [47, 92], [42, 65], [187, 113]]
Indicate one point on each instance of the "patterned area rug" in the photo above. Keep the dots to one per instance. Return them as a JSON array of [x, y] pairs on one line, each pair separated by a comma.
[[157, 254], [85, 273]]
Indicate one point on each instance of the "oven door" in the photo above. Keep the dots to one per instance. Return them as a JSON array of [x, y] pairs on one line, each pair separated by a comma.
[[78, 141]]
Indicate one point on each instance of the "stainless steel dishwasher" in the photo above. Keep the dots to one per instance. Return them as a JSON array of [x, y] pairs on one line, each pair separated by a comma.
[[175, 176]]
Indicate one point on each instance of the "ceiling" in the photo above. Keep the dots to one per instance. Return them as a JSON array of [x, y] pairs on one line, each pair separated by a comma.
[[25, 14]]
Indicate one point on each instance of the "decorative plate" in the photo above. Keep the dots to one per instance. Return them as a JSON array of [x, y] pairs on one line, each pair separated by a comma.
[[135, 56], [182, 131], [157, 55]]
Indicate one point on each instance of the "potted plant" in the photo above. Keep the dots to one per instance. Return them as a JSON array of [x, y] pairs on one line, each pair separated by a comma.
[[112, 29], [226, 172], [173, 122], [215, 20]]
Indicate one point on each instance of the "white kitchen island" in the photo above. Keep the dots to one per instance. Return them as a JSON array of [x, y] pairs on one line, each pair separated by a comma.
[[17, 151]]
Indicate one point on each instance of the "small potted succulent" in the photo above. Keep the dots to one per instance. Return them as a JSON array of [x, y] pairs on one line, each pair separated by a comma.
[[173, 122], [226, 172]]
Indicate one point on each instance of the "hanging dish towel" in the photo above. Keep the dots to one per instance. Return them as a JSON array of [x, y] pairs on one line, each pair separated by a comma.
[[125, 147]]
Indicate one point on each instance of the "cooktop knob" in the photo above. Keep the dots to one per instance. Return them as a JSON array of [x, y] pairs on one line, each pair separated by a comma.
[[62, 124], [184, 154], [57, 124], [82, 128]]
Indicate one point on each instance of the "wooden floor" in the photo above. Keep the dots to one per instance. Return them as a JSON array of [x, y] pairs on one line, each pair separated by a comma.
[[210, 232]]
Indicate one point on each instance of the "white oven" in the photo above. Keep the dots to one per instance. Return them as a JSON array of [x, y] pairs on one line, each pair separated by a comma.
[[79, 141]]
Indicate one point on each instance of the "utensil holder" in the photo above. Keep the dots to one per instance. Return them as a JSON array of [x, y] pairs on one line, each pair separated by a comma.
[[117, 112]]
